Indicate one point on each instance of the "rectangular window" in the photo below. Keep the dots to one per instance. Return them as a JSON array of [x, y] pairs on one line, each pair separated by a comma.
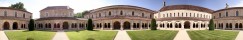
[[219, 14], [226, 14]]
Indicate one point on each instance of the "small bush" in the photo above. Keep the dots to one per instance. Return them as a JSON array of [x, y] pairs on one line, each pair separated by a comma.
[[30, 38]]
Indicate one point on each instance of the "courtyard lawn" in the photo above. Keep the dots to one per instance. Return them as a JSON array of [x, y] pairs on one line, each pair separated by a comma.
[[23, 35], [152, 35], [212, 35], [91, 35]]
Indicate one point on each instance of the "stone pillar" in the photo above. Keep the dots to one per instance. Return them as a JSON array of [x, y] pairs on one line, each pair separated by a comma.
[[191, 25], [182, 25], [19, 26], [173, 25], [1, 25], [69, 26], [199, 25], [140, 25], [111, 26], [148, 25], [121, 26], [233, 26], [52, 26], [102, 26], [61, 26], [131, 26], [10, 25], [158, 26], [165, 25]]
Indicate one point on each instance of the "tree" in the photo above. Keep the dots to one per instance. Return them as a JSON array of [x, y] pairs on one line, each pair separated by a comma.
[[81, 15], [153, 24], [211, 24], [18, 5], [31, 25], [90, 25]]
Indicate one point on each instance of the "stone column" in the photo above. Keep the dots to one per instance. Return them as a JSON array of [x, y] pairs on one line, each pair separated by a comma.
[[11, 25], [182, 25], [148, 25], [19, 26], [121, 26], [199, 25], [111, 25], [52, 26], [140, 25], [191, 25], [165, 25], [173, 25], [61, 26], [131, 26], [1, 25], [69, 26], [158, 26], [102, 26], [233, 26]]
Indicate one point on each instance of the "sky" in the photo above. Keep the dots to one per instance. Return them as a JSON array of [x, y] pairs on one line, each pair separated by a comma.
[[34, 6]]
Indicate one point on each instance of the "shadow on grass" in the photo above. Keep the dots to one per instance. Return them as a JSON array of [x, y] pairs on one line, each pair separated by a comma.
[[79, 30]]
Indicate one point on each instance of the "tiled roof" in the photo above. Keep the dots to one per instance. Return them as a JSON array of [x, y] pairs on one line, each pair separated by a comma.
[[186, 7], [229, 9], [56, 7], [14, 9], [57, 18], [183, 18]]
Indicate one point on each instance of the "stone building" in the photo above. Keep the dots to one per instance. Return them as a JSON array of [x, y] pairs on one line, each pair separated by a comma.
[[120, 17], [177, 17], [59, 18], [12, 19], [229, 18]]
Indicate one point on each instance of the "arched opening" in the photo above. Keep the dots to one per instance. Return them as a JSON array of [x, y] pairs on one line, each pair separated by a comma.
[[116, 25], [6, 26], [49, 25], [240, 25], [15, 25], [65, 25], [236, 25], [187, 25], [126, 25]]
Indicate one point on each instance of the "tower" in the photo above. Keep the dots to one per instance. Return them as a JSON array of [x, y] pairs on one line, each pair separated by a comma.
[[164, 3], [227, 6]]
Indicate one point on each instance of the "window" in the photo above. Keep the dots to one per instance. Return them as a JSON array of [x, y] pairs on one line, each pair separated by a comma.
[[167, 15], [99, 14], [142, 14], [170, 14], [226, 14], [163, 15], [15, 14], [190, 15], [174, 14], [5, 13], [178, 14], [46, 14], [24, 15], [219, 14], [132, 13], [109, 13], [182, 14], [186, 14], [121, 13], [237, 13]]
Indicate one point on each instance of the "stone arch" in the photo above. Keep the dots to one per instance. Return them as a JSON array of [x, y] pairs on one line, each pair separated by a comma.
[[49, 25], [6, 25], [116, 25], [240, 25], [126, 25], [236, 25], [65, 25], [15, 25], [187, 25]]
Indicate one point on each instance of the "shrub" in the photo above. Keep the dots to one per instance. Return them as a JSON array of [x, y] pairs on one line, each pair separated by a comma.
[[31, 25], [211, 24], [30, 38], [90, 25], [153, 24]]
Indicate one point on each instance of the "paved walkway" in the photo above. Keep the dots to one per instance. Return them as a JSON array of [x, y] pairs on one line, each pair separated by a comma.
[[3, 36], [239, 36], [182, 35], [122, 35], [60, 35]]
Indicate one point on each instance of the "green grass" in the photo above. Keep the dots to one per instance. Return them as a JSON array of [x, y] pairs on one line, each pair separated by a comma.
[[23, 35], [212, 35], [152, 35], [96, 35]]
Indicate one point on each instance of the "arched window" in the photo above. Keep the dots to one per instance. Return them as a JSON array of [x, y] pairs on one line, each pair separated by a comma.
[[226, 14], [109, 13], [178, 14], [174, 14], [237, 13], [186, 14], [15, 14], [219, 14], [142, 14], [132, 13], [182, 14], [121, 13], [99, 14], [24, 15], [167, 15], [190, 15], [170, 14], [5, 13]]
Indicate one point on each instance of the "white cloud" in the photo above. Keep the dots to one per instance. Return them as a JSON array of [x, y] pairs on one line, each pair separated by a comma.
[[240, 4]]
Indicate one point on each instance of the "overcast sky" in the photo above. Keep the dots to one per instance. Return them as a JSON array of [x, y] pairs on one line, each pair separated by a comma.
[[34, 6]]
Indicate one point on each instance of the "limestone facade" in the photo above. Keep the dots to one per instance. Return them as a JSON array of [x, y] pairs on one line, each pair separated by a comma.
[[59, 18], [120, 17], [183, 17], [13, 19], [229, 18]]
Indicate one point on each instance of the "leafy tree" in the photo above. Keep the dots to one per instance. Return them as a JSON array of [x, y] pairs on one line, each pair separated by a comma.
[[81, 15], [153, 24], [211, 25], [18, 5], [31, 25], [90, 25]]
